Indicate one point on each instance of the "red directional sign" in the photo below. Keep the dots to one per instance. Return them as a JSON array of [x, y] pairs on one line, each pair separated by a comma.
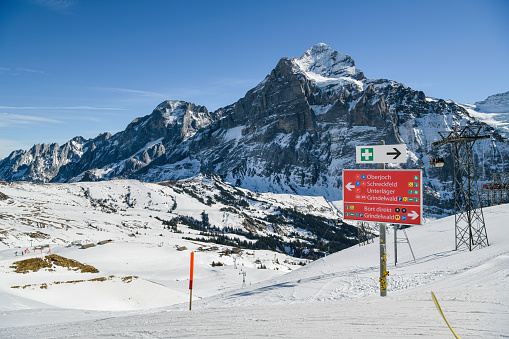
[[391, 196]]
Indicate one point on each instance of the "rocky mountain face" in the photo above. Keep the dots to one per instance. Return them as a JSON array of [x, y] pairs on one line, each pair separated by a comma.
[[110, 156], [294, 132], [42, 162]]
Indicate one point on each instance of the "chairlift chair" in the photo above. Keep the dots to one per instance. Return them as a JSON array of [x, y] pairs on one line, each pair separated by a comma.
[[436, 161]]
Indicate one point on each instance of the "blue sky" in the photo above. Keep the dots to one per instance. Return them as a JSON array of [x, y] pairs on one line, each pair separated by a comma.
[[83, 67]]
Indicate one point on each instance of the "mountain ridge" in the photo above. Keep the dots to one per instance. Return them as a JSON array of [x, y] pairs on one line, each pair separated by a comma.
[[292, 133]]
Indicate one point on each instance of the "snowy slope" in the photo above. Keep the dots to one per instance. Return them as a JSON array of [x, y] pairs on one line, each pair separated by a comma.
[[132, 210], [336, 296]]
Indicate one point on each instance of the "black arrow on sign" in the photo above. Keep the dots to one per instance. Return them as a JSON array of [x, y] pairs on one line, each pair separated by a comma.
[[396, 154]]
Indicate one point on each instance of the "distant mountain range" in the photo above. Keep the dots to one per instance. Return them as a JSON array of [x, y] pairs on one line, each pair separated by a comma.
[[293, 133]]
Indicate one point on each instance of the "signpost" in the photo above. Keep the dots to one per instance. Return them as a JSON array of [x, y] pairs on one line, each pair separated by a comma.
[[380, 154], [388, 196], [393, 196]]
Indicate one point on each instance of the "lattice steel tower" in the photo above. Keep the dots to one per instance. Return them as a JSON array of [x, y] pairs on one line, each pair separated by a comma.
[[364, 235], [470, 229]]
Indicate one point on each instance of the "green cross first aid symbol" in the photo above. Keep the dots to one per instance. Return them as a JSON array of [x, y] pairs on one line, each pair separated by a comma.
[[366, 154]]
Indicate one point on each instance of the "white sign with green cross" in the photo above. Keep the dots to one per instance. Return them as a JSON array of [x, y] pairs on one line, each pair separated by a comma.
[[378, 154]]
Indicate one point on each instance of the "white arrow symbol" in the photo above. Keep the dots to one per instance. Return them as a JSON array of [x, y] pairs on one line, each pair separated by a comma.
[[413, 214], [349, 186]]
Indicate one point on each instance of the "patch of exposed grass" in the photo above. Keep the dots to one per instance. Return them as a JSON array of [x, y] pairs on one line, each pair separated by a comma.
[[32, 264], [35, 264], [39, 235], [128, 279], [23, 287], [71, 264]]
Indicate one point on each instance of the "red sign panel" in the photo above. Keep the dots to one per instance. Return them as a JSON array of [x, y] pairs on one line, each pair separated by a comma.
[[391, 196]]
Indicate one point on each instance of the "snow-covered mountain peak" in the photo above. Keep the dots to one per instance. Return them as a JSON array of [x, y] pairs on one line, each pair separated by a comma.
[[187, 116], [172, 109], [320, 63], [494, 111], [498, 103]]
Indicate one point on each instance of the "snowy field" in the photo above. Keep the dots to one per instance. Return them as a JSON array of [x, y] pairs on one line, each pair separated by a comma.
[[334, 297]]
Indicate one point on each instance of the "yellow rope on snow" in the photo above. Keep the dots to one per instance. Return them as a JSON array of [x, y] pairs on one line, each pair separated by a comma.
[[442, 313]]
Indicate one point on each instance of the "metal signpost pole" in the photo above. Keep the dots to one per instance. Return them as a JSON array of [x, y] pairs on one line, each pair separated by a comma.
[[395, 244], [383, 260], [383, 281], [383, 271]]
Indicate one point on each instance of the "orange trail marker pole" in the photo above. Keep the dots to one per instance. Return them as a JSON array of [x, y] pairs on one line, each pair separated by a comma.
[[191, 281]]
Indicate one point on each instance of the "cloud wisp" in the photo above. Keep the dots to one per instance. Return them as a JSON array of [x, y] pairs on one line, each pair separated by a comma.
[[16, 71], [31, 70], [132, 91], [59, 6], [66, 108], [7, 119], [170, 93]]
